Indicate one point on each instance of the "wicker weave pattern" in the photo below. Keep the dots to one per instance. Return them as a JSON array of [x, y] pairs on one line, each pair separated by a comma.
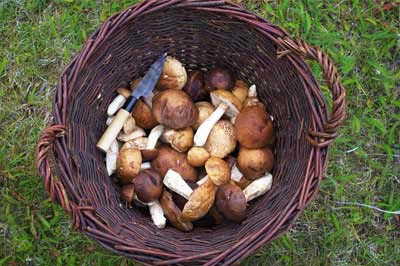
[[200, 34]]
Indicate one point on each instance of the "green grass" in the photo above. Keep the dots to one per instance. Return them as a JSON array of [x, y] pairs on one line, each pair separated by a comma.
[[38, 38]]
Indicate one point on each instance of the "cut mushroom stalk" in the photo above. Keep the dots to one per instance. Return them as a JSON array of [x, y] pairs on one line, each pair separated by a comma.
[[258, 187], [203, 180], [200, 138], [236, 175], [175, 182], [118, 101], [156, 212], [111, 158], [154, 135]]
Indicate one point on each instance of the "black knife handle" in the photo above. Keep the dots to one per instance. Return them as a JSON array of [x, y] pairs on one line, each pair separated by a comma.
[[130, 103]]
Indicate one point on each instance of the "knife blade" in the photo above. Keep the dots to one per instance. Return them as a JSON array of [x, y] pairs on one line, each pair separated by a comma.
[[144, 88]]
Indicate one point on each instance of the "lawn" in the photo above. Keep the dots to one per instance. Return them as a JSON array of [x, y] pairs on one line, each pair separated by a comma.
[[39, 37]]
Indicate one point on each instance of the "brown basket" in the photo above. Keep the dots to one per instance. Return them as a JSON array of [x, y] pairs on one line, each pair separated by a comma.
[[200, 34]]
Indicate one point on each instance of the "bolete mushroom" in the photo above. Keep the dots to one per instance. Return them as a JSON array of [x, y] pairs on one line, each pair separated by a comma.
[[174, 181], [168, 158], [205, 110], [181, 140], [231, 202], [118, 101], [194, 86], [218, 171], [173, 213], [143, 115], [253, 163], [200, 202], [111, 158], [240, 90], [221, 140], [173, 75], [148, 185], [258, 187], [156, 212], [252, 98], [219, 78], [197, 156], [253, 127], [128, 165], [174, 109]]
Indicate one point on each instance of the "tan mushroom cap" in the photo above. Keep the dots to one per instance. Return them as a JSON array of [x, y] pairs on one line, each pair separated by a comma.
[[253, 163], [173, 213], [205, 110], [180, 140], [173, 76], [218, 171], [222, 139], [129, 162], [227, 97], [197, 156]]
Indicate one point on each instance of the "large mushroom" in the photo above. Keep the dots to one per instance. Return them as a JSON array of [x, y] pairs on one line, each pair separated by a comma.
[[173, 75], [253, 163], [168, 158], [253, 127], [181, 140], [173, 213], [128, 165], [174, 109], [219, 78], [148, 185], [221, 140], [205, 110], [231, 202]]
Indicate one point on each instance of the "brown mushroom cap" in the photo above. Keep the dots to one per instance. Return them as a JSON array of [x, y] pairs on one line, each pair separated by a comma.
[[205, 110], [128, 164], [199, 202], [181, 201], [218, 171], [231, 202], [168, 158], [173, 75], [219, 78], [149, 154], [173, 213], [197, 156], [221, 140], [253, 163], [128, 193], [216, 215], [148, 185], [143, 115], [227, 97], [253, 127], [181, 140], [240, 90], [174, 109], [194, 86]]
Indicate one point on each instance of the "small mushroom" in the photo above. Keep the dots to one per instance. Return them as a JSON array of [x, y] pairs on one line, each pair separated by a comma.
[[143, 115], [231, 202], [252, 98], [173, 76], [205, 110], [174, 109], [136, 133], [181, 140], [222, 96], [195, 86], [129, 126], [128, 193], [173, 213], [218, 171], [168, 158], [240, 90], [118, 101], [200, 202], [258, 187], [111, 158], [197, 156], [253, 163], [156, 212], [253, 127], [174, 181], [221, 140], [148, 185], [128, 165], [219, 78]]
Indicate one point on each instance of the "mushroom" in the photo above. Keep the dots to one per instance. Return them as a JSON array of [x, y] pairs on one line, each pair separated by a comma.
[[199, 202], [252, 98], [118, 101], [231, 202], [253, 163], [128, 165], [221, 140], [253, 127], [168, 158], [129, 126], [128, 193], [219, 78], [111, 158], [205, 110], [173, 213], [197, 156], [240, 90], [195, 86], [143, 115], [156, 212], [181, 140], [148, 185], [258, 187], [174, 109], [218, 171], [174, 181], [236, 175], [173, 76], [136, 133], [227, 103]]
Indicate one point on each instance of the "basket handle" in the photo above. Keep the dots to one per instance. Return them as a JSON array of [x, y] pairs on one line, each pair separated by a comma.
[[331, 127], [55, 189]]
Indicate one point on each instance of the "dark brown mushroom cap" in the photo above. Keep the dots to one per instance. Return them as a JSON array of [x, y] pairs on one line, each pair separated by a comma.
[[219, 78], [173, 213], [143, 115], [149, 154], [231, 202], [148, 185], [194, 86], [253, 163], [128, 193]]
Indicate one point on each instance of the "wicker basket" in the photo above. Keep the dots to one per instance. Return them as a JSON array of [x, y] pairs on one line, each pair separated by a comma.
[[200, 34]]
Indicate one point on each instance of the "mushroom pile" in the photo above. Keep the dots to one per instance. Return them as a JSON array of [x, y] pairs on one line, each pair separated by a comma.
[[196, 151]]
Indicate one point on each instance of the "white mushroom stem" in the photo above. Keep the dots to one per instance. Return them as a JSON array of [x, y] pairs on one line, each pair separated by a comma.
[[115, 105], [258, 187], [154, 135], [156, 212], [175, 182], [236, 175], [201, 136], [252, 91], [137, 133], [203, 180], [145, 166], [111, 158], [109, 120]]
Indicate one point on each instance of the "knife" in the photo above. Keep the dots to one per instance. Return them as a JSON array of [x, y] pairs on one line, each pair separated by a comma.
[[145, 87]]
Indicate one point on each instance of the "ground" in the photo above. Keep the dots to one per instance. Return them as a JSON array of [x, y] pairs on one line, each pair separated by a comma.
[[38, 38]]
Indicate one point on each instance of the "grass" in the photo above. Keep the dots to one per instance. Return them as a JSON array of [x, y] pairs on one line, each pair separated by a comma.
[[38, 38]]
